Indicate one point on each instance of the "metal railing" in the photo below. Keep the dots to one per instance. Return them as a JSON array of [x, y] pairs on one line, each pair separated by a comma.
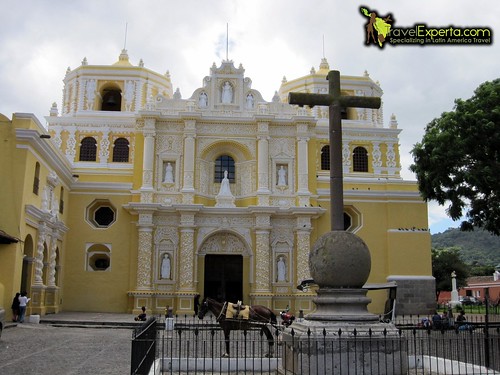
[[187, 345]]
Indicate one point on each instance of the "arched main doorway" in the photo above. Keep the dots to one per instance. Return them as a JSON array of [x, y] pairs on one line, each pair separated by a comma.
[[224, 277], [225, 257]]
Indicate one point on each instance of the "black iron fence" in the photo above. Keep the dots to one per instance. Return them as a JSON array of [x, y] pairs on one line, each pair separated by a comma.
[[144, 353], [186, 345]]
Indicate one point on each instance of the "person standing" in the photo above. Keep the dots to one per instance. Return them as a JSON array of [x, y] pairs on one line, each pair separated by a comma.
[[23, 301], [15, 307]]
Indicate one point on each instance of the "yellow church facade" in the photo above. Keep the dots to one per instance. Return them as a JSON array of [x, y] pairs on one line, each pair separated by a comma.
[[147, 198]]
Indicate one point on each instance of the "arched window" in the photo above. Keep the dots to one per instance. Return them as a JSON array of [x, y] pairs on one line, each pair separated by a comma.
[[360, 160], [224, 163], [120, 150], [36, 179], [88, 149], [111, 100], [325, 158], [98, 257]]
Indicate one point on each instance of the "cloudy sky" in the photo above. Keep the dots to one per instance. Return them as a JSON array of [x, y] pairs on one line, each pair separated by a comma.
[[40, 39]]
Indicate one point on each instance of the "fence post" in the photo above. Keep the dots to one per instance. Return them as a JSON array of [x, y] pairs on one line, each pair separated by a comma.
[[143, 347], [486, 328]]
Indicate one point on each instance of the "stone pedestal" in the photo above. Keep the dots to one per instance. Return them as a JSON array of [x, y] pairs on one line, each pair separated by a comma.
[[52, 300], [345, 305], [317, 347], [37, 302], [341, 336]]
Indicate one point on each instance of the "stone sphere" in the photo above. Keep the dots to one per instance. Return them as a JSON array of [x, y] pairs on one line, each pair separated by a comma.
[[340, 260]]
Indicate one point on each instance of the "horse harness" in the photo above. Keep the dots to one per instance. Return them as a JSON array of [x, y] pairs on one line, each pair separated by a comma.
[[238, 311]]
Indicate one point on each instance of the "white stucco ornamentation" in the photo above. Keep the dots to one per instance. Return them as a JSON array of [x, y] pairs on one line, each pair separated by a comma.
[[163, 232], [346, 154], [90, 87], [52, 262], [129, 95], [40, 249], [57, 137], [282, 146], [187, 256], [104, 147], [71, 144], [144, 259], [169, 143], [147, 178], [247, 182], [303, 250], [376, 156], [391, 156], [262, 274], [223, 243]]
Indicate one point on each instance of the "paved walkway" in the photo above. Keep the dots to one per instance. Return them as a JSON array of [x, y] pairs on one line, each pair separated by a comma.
[[101, 346]]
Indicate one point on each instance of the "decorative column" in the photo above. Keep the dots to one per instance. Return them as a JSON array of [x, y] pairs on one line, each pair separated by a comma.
[[42, 234], [263, 269], [144, 251], [376, 158], [148, 160], [346, 157], [104, 147], [302, 165], [189, 157], [51, 292], [51, 280], [73, 97], [263, 164], [186, 266], [71, 144], [391, 158], [261, 294], [303, 233], [37, 289], [81, 94]]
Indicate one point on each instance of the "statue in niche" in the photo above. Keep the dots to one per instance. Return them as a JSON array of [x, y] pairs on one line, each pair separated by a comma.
[[281, 268], [203, 100], [169, 174], [225, 188], [282, 176], [227, 93], [249, 101], [165, 267]]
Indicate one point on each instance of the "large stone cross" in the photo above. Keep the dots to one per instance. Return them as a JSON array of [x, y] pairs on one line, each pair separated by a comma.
[[336, 102]]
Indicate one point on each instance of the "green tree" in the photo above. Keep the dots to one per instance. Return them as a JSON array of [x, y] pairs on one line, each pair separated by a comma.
[[481, 270], [458, 160], [444, 262]]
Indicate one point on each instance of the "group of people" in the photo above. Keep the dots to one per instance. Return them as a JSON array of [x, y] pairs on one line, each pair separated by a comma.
[[18, 307], [446, 321]]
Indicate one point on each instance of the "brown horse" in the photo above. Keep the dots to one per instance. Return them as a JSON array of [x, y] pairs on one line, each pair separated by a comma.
[[258, 316]]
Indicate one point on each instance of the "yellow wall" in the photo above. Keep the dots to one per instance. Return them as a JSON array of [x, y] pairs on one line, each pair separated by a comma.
[[99, 290]]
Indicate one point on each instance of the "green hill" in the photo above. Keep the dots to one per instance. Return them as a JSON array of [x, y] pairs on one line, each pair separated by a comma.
[[477, 247]]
